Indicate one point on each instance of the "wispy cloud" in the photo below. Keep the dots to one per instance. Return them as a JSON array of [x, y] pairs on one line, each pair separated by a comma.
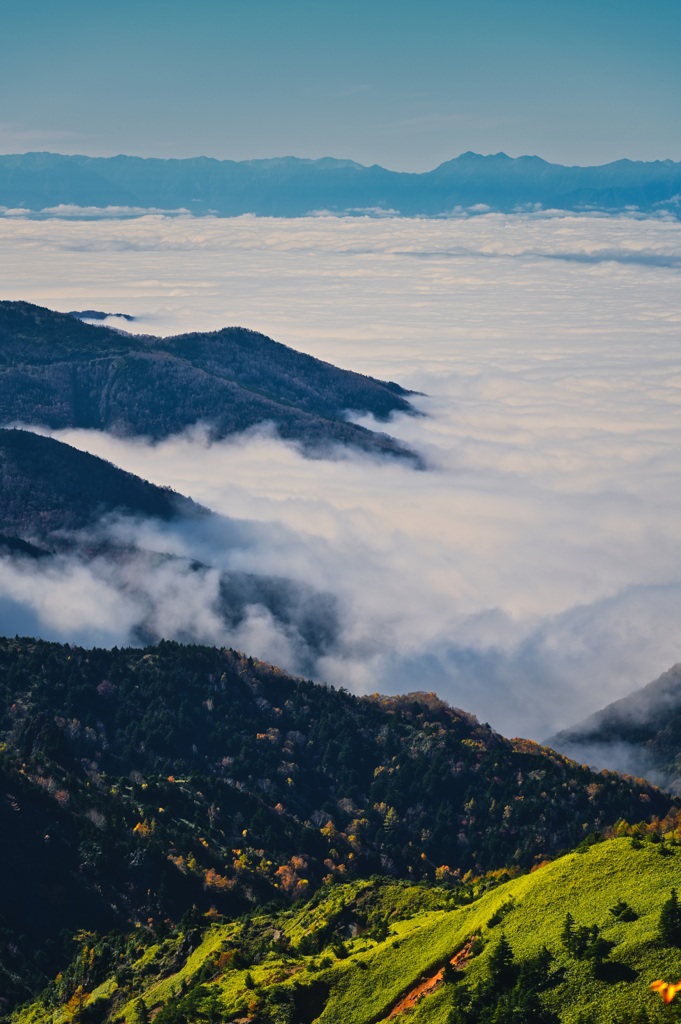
[[67, 211], [16, 138]]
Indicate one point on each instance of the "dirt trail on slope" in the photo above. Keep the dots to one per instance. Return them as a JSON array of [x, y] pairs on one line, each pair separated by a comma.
[[427, 986]]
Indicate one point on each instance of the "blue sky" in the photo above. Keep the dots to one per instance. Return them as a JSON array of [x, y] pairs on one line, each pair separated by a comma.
[[398, 83]]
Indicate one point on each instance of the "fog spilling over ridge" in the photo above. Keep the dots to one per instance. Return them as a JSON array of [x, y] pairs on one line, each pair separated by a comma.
[[533, 572]]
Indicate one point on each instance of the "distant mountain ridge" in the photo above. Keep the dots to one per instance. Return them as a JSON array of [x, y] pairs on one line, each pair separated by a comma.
[[293, 187], [639, 734], [59, 372]]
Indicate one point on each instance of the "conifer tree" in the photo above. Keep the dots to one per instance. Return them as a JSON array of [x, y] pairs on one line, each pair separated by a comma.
[[502, 966], [140, 1014], [568, 933], [670, 921], [450, 973]]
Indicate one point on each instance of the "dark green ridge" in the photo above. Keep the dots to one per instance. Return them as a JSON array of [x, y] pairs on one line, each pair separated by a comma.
[[46, 485], [57, 371]]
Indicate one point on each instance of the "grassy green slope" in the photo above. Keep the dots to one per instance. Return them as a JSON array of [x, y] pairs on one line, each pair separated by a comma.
[[210, 982]]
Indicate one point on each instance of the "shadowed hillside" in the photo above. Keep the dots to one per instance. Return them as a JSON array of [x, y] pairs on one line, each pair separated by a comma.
[[58, 371], [58, 501], [640, 734], [46, 486]]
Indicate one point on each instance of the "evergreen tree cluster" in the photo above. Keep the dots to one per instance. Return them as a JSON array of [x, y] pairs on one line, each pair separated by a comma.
[[585, 942], [512, 992]]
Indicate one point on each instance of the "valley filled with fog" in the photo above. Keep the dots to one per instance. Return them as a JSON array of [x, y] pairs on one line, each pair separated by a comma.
[[530, 574]]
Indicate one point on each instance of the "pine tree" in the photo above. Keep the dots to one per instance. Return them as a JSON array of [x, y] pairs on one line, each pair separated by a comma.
[[502, 966], [522, 1007], [670, 921], [535, 972], [140, 1014], [450, 973], [568, 933]]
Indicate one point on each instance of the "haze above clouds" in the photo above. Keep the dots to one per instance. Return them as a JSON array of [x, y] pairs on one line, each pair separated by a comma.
[[403, 85], [533, 572]]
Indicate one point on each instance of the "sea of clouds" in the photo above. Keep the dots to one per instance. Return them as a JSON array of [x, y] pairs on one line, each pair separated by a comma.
[[531, 574]]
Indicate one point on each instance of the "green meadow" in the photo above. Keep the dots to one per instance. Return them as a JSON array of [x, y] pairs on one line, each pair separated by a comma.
[[349, 954]]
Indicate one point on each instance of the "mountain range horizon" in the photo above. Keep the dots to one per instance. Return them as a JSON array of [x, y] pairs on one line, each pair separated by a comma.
[[288, 186], [329, 160]]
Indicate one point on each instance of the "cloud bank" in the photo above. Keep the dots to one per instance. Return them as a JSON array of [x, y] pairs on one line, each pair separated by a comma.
[[533, 573]]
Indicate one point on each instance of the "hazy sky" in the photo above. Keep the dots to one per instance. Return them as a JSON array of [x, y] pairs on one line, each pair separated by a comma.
[[394, 82]]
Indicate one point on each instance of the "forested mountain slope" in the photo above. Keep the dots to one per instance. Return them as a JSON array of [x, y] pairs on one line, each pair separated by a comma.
[[138, 783], [579, 940], [57, 371], [47, 486]]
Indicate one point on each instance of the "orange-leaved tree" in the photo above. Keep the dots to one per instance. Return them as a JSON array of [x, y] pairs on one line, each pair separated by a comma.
[[666, 990]]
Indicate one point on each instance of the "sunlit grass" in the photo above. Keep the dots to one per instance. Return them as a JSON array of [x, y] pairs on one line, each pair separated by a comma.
[[424, 930]]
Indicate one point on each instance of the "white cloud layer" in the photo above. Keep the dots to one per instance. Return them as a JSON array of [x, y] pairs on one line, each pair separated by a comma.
[[534, 572]]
